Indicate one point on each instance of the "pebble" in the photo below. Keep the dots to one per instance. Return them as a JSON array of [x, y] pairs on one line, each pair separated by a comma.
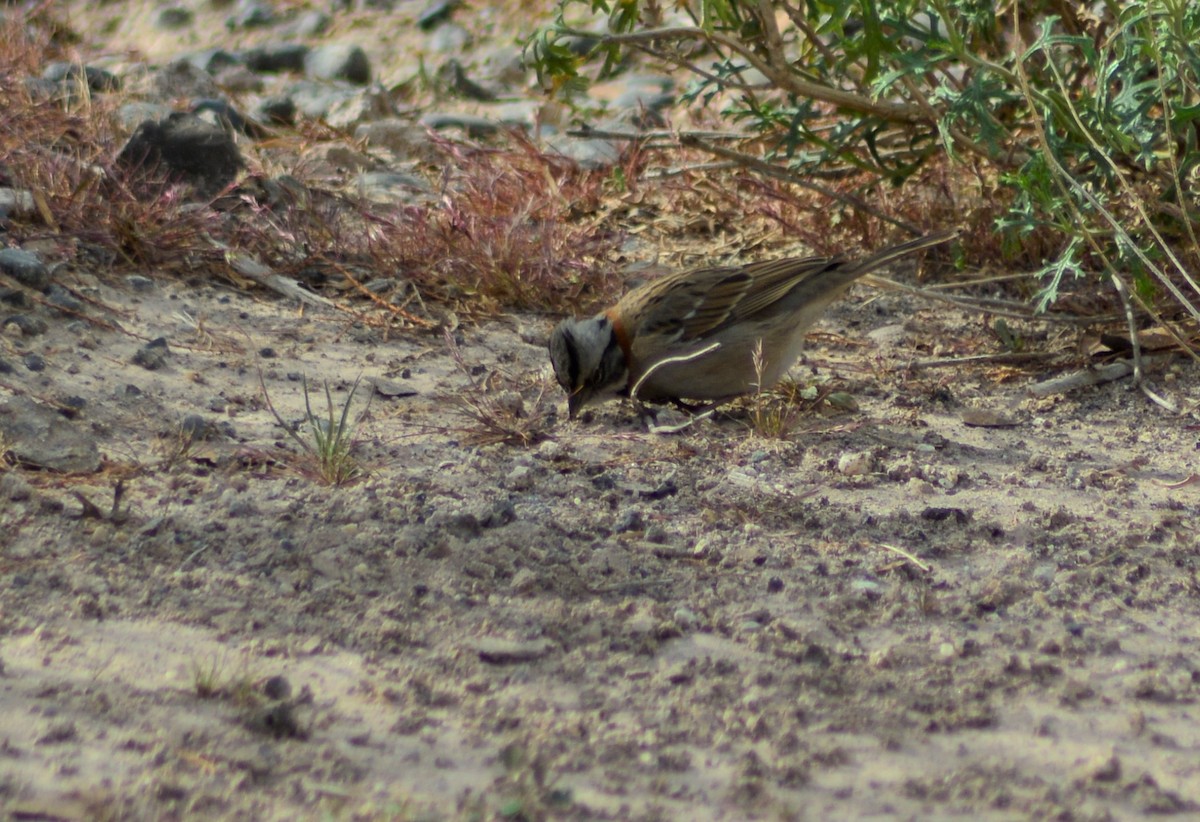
[[855, 464], [153, 355], [508, 652], [338, 61]]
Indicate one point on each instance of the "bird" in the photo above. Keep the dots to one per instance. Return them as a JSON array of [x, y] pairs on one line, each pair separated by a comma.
[[708, 335]]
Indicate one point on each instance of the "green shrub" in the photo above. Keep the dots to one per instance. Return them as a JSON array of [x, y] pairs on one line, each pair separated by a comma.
[[1081, 119]]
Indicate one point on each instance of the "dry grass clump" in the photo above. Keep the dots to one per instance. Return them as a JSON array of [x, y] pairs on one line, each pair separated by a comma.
[[504, 230]]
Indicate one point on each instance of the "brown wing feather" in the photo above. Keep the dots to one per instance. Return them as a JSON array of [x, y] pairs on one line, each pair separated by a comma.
[[775, 279], [688, 305]]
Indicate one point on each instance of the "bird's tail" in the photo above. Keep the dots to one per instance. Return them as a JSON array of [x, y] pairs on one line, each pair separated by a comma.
[[895, 252]]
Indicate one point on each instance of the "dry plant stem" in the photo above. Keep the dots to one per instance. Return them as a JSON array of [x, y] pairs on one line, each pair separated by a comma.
[[782, 78], [1006, 358], [997, 308], [1091, 376], [394, 310], [897, 550], [769, 170]]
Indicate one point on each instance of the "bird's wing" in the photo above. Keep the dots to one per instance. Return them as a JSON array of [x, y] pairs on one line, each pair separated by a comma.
[[685, 307], [772, 280]]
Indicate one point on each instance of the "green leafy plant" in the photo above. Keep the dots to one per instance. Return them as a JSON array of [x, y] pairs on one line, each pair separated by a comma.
[[331, 437]]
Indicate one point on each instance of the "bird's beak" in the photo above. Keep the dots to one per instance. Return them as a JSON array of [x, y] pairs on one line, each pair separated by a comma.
[[574, 403]]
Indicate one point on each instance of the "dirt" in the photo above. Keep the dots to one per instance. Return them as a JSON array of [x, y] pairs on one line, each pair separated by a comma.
[[888, 613]]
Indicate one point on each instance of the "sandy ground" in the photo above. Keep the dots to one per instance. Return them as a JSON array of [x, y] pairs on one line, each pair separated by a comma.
[[890, 614]]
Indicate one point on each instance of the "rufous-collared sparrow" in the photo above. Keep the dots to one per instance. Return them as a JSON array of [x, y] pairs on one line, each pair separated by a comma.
[[693, 335]]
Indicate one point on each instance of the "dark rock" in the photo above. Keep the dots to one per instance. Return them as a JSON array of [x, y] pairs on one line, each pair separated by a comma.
[[5, 366], [187, 148], [15, 297], [153, 355], [194, 427], [213, 61], [279, 109], [139, 283], [282, 57], [25, 267], [61, 298], [30, 326], [339, 61], [34, 362], [277, 687], [435, 14], [630, 521]]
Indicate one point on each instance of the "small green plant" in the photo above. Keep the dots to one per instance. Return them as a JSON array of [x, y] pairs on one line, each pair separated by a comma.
[[770, 414], [331, 437], [210, 682], [206, 677]]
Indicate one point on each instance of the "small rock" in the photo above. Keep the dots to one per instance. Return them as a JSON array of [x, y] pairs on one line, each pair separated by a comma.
[[436, 13], [311, 23], [34, 362], [195, 427], [508, 652], [277, 687], [1100, 769], [182, 78], [153, 355], [40, 436], [686, 619], [524, 581], [16, 202], [61, 298], [25, 267], [588, 153], [139, 283], [27, 326], [187, 147], [474, 126], [854, 465], [338, 61], [172, 18], [213, 61], [278, 109], [277, 58]]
